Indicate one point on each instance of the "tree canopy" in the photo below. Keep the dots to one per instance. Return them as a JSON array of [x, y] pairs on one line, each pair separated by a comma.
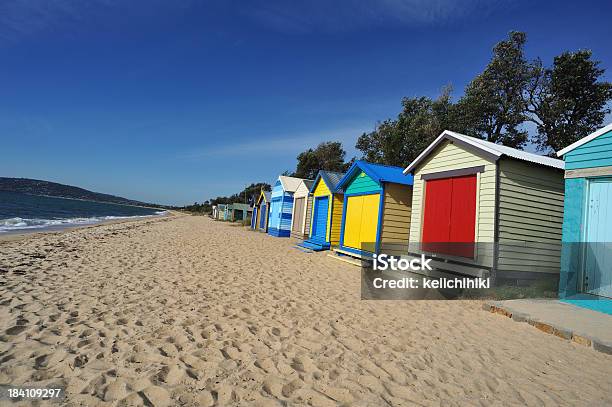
[[399, 141], [566, 102], [492, 107], [328, 156]]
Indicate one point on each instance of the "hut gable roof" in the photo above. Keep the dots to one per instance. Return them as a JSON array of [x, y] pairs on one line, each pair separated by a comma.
[[308, 183], [492, 150], [263, 195], [585, 140], [331, 179], [378, 172], [241, 206], [290, 184]]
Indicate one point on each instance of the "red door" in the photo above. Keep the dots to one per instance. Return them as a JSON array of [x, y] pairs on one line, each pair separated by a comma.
[[438, 200], [450, 215]]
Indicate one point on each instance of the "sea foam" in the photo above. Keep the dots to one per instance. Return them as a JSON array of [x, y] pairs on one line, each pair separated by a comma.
[[16, 224]]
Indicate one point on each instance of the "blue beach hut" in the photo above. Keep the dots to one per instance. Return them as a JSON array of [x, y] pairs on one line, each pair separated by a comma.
[[260, 212], [281, 206], [586, 261]]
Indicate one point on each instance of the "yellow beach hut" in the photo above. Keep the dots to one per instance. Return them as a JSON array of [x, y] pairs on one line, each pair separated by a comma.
[[376, 210], [326, 215], [302, 205], [483, 209]]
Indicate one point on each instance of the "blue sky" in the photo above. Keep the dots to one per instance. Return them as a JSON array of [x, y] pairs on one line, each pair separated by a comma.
[[179, 101]]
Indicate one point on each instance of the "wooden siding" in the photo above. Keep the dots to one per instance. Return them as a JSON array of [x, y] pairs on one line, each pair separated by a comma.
[[595, 153], [277, 190], [302, 192], [287, 208], [362, 183], [449, 156], [321, 188], [256, 217], [336, 219], [297, 217], [530, 217], [397, 210], [308, 216]]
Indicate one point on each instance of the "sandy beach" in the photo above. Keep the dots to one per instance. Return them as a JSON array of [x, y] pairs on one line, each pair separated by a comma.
[[187, 311]]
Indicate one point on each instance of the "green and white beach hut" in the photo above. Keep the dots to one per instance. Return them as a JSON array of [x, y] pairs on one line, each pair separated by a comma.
[[483, 209], [302, 208], [239, 212], [221, 212]]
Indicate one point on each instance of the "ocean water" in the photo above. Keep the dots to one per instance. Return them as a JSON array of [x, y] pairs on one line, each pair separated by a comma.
[[22, 212]]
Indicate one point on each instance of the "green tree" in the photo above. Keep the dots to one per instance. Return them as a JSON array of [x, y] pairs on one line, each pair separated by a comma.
[[244, 196], [493, 107], [327, 156], [398, 142], [567, 101]]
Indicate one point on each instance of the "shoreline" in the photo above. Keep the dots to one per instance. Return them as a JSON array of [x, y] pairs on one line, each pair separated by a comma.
[[9, 236]]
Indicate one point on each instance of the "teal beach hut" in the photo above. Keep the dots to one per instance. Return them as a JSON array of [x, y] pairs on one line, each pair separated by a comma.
[[586, 261], [371, 216], [281, 206], [240, 212]]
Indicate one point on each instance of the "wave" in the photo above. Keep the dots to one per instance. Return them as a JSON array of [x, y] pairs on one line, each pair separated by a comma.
[[16, 224]]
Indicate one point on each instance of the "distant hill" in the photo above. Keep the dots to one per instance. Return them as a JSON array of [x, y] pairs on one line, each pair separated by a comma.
[[38, 187]]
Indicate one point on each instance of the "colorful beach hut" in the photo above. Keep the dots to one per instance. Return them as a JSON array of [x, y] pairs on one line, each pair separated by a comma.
[[260, 211], [586, 265], [254, 218], [376, 210], [483, 209], [326, 212], [302, 206], [281, 206], [221, 211], [239, 212]]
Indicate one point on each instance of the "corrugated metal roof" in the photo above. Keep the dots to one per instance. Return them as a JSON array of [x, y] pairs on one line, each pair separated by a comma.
[[585, 140], [241, 206], [378, 172], [266, 196], [495, 150], [308, 183], [331, 179]]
